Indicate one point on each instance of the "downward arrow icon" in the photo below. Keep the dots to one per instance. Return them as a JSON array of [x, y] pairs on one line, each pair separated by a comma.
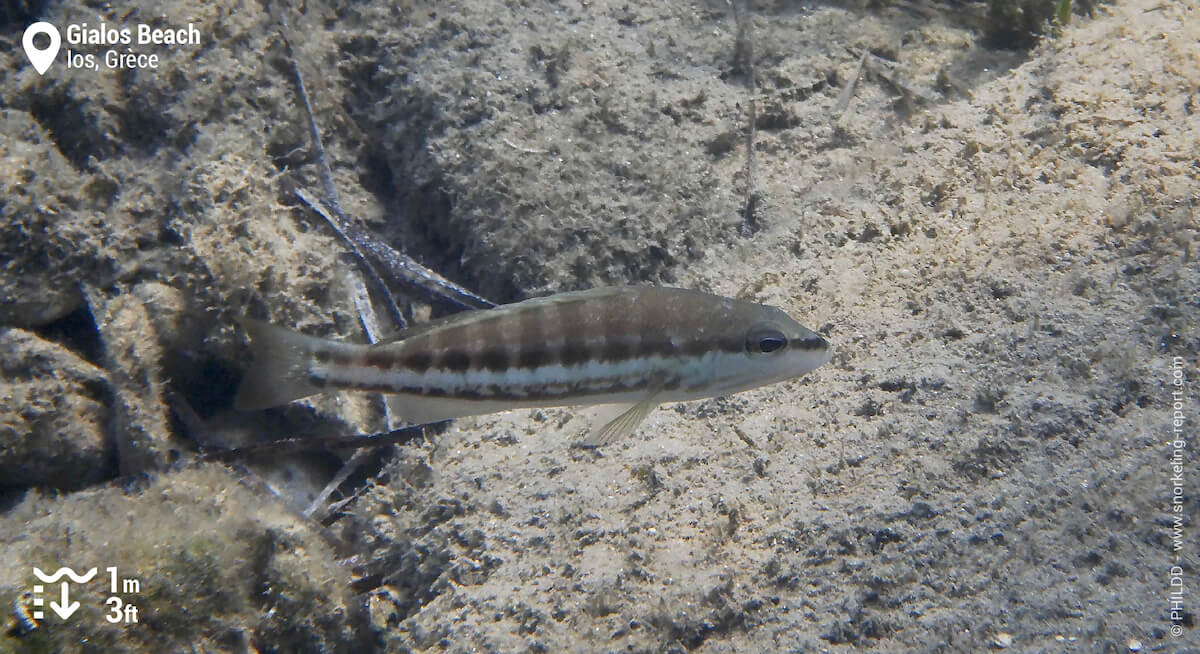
[[67, 608]]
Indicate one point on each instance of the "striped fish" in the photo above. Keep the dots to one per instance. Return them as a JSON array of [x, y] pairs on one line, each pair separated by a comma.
[[633, 345]]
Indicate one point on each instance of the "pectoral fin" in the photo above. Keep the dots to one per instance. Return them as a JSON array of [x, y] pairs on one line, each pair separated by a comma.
[[624, 424]]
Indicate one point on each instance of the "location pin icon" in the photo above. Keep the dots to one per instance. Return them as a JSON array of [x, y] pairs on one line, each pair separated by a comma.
[[41, 58]]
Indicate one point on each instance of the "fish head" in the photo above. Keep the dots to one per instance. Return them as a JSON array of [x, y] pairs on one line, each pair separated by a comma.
[[773, 348]]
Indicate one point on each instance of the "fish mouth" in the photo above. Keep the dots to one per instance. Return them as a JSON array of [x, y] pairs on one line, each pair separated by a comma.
[[826, 356]]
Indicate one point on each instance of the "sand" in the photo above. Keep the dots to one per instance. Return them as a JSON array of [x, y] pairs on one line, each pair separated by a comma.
[[998, 243]]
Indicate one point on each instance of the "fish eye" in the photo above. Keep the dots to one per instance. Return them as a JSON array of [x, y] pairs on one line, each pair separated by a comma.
[[765, 340]]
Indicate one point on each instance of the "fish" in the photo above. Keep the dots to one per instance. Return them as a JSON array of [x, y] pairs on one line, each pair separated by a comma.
[[637, 346]]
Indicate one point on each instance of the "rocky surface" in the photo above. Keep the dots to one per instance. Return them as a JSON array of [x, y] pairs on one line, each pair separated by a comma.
[[998, 244]]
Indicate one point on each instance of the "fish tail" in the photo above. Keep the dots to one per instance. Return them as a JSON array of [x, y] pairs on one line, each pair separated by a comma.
[[280, 371]]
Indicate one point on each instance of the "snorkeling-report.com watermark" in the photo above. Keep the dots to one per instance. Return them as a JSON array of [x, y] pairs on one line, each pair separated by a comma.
[[102, 46], [1177, 495]]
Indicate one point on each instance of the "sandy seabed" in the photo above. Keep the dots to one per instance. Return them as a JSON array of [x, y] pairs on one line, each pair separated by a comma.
[[999, 245]]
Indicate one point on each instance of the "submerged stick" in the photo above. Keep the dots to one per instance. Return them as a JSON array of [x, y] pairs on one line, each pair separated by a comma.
[[320, 507], [325, 173], [275, 448], [314, 132], [743, 59], [843, 101], [403, 268]]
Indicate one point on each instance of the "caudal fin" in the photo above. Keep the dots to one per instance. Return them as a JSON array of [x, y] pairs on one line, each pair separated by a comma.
[[279, 372]]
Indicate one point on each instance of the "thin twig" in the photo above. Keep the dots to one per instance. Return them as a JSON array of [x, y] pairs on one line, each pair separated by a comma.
[[843, 101], [314, 132], [276, 448], [749, 219], [193, 424], [887, 72], [743, 60], [520, 148], [318, 508]]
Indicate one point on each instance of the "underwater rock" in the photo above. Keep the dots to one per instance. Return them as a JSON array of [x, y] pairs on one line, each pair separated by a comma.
[[218, 567], [52, 415]]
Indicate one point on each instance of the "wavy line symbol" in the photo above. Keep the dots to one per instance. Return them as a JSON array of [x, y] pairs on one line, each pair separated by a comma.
[[64, 572]]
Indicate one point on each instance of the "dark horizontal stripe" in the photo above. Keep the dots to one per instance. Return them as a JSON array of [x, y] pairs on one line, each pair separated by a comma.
[[454, 361], [812, 343], [731, 344], [696, 348], [615, 350], [417, 361], [498, 358], [533, 358], [654, 347], [498, 392], [495, 359], [376, 358], [333, 357], [574, 354]]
